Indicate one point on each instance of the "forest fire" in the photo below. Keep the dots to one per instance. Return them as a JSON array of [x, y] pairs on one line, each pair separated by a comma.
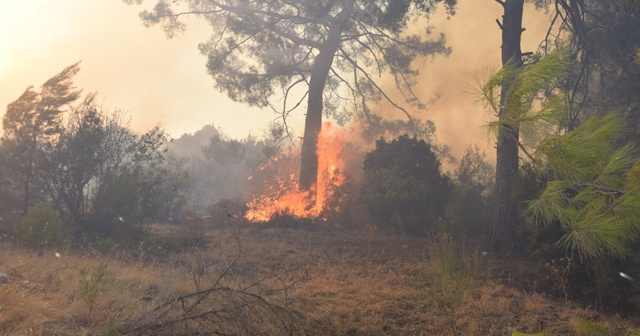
[[280, 193]]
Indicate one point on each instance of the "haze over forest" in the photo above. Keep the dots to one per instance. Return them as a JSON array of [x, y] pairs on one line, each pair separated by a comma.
[[160, 81]]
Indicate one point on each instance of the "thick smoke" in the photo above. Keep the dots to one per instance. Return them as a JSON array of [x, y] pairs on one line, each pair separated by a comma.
[[475, 40]]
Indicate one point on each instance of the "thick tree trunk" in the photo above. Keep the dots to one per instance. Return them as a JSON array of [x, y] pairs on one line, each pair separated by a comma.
[[313, 121], [505, 213]]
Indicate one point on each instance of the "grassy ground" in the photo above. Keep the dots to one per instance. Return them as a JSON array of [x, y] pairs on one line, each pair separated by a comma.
[[275, 281]]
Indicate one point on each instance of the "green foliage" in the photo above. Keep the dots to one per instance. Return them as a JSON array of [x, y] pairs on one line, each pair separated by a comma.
[[588, 205], [594, 191], [92, 284], [471, 200], [588, 328], [525, 105], [541, 238], [32, 120], [404, 187], [114, 328], [41, 227], [150, 244], [118, 198], [136, 181], [101, 175], [70, 163], [106, 245], [171, 242]]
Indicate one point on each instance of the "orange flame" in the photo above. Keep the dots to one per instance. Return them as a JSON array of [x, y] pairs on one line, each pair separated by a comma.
[[280, 193]]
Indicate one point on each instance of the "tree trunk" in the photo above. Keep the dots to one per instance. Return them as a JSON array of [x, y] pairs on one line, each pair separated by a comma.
[[29, 172], [27, 187], [313, 121], [505, 213]]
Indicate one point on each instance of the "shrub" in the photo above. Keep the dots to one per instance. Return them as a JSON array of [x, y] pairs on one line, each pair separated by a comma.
[[471, 202], [193, 230], [40, 228], [404, 187], [91, 285], [171, 243], [106, 245], [113, 328]]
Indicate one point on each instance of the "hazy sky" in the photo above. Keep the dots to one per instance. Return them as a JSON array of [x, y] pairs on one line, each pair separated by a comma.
[[164, 82]]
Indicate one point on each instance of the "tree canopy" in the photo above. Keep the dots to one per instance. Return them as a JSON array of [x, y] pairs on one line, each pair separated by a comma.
[[334, 53]]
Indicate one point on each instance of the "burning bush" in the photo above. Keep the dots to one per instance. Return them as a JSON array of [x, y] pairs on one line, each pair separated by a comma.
[[280, 194]]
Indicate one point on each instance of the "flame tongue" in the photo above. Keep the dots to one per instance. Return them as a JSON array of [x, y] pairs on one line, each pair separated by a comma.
[[281, 194], [330, 165]]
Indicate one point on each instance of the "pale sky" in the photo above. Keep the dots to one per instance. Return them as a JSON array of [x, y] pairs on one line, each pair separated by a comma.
[[164, 82]]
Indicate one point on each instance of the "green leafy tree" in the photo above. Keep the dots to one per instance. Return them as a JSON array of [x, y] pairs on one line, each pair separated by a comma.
[[130, 176], [337, 50], [35, 119], [404, 187], [73, 161]]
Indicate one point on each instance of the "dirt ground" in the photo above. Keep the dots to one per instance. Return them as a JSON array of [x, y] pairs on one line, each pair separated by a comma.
[[280, 281]]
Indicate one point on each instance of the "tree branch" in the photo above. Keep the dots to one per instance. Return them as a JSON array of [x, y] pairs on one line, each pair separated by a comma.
[[602, 188], [378, 88]]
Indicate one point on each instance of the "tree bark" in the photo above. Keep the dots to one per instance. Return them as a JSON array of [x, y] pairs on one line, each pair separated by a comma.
[[505, 215], [313, 121]]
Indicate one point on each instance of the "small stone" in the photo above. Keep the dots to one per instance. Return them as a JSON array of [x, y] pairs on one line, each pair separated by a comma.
[[4, 277]]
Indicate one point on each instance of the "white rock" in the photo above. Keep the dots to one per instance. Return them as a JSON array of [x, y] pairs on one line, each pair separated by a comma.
[[4, 277]]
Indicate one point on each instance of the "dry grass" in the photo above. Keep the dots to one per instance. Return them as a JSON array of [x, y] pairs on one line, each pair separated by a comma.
[[334, 282]]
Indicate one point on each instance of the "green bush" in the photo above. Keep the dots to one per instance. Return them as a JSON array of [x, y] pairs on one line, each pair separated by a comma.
[[404, 188], [106, 245], [470, 204], [171, 243], [92, 285], [40, 228], [113, 328]]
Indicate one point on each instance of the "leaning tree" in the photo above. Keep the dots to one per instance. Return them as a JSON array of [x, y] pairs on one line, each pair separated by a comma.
[[31, 121], [335, 54]]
